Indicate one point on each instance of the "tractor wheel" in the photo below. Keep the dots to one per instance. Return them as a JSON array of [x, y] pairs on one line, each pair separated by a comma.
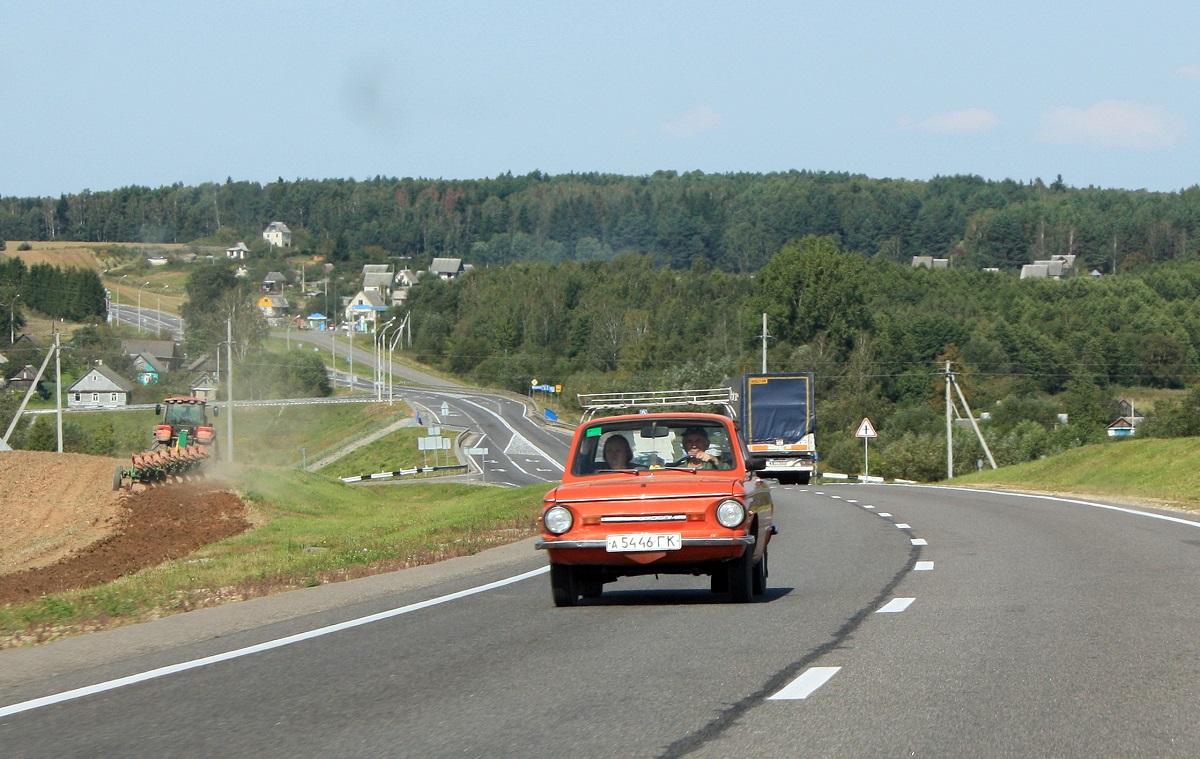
[[117, 475]]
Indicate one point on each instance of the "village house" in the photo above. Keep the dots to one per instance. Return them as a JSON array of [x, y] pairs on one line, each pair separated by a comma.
[[275, 308], [165, 352], [149, 370], [447, 268], [23, 380], [278, 235], [364, 309], [274, 282], [237, 252], [101, 386]]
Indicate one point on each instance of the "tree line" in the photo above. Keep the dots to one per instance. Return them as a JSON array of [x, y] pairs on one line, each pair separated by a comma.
[[877, 333], [74, 294], [734, 222]]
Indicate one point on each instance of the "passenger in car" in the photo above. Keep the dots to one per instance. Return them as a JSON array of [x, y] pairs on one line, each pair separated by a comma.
[[695, 450], [618, 454]]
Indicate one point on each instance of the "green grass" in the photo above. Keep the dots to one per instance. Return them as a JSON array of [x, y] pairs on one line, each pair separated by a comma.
[[1166, 471], [393, 452], [262, 435], [314, 530]]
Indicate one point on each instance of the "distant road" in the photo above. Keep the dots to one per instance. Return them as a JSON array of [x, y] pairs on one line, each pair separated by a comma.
[[149, 320]]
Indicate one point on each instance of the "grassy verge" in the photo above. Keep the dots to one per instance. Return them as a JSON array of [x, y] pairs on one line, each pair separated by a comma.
[[262, 435], [314, 530], [388, 454], [1165, 472]]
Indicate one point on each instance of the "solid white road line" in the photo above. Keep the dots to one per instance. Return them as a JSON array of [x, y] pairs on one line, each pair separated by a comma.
[[89, 690], [804, 685], [895, 606]]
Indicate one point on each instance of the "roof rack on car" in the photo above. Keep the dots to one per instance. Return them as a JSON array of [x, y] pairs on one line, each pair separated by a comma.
[[716, 396]]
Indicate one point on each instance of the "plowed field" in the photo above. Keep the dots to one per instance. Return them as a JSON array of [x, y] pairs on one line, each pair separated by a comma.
[[63, 527]]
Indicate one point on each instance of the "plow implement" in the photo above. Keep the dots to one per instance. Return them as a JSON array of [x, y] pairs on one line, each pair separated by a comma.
[[163, 466]]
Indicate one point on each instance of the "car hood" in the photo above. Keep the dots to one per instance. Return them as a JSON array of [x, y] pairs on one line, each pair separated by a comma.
[[644, 492]]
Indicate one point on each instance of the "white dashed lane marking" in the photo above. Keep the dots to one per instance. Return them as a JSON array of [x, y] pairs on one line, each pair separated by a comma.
[[895, 606], [919, 542], [804, 685], [923, 566]]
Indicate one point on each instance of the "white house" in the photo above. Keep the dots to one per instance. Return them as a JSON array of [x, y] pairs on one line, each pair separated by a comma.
[[364, 309], [237, 252], [101, 386], [278, 234]]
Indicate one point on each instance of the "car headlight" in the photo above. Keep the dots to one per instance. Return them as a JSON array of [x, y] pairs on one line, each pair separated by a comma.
[[557, 520], [731, 513]]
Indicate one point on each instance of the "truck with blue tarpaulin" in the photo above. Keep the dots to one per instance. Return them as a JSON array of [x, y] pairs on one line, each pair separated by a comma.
[[777, 421]]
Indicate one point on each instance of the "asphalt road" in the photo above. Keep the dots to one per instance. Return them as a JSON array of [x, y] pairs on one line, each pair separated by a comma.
[[1022, 626], [149, 320], [519, 450]]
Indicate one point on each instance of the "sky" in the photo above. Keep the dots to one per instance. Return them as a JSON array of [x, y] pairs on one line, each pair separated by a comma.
[[102, 95]]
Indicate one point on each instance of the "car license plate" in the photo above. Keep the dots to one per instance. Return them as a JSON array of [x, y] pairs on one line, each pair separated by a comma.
[[645, 541]]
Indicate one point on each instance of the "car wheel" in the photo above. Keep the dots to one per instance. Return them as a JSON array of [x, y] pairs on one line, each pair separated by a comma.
[[759, 575], [562, 585], [741, 577]]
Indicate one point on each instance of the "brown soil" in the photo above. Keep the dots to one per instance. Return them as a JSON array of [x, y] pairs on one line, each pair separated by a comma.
[[62, 526]]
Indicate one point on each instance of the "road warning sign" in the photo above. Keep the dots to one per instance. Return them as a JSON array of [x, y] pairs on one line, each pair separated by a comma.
[[866, 429]]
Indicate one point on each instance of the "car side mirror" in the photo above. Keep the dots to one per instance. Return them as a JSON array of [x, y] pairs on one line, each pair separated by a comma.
[[756, 463], [158, 409], [216, 412]]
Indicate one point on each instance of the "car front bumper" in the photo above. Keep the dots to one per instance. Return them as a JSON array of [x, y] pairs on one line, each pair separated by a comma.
[[738, 540]]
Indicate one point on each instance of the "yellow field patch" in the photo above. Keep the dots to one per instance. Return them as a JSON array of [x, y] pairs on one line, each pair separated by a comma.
[[68, 255]]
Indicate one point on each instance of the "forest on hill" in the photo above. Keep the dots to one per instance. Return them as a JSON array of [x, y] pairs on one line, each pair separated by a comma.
[[601, 282], [735, 222], [877, 334]]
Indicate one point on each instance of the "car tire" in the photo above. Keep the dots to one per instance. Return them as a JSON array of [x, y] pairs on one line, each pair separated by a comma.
[[562, 585], [759, 576], [741, 577]]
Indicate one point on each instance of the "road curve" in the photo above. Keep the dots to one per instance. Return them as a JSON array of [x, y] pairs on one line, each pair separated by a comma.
[[899, 621]]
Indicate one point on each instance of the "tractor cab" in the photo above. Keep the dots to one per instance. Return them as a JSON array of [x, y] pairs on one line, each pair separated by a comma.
[[184, 422]]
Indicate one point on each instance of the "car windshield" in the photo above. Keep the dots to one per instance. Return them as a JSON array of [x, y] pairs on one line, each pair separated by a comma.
[[634, 445]]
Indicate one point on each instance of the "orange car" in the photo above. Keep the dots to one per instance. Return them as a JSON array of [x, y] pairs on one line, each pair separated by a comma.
[[662, 493]]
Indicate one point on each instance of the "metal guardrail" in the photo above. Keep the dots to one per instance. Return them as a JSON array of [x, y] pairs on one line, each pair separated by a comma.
[[402, 473]]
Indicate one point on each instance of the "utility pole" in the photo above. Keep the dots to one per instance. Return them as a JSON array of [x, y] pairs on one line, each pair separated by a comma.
[[974, 424], [952, 381], [764, 344], [58, 387], [949, 429], [229, 389]]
